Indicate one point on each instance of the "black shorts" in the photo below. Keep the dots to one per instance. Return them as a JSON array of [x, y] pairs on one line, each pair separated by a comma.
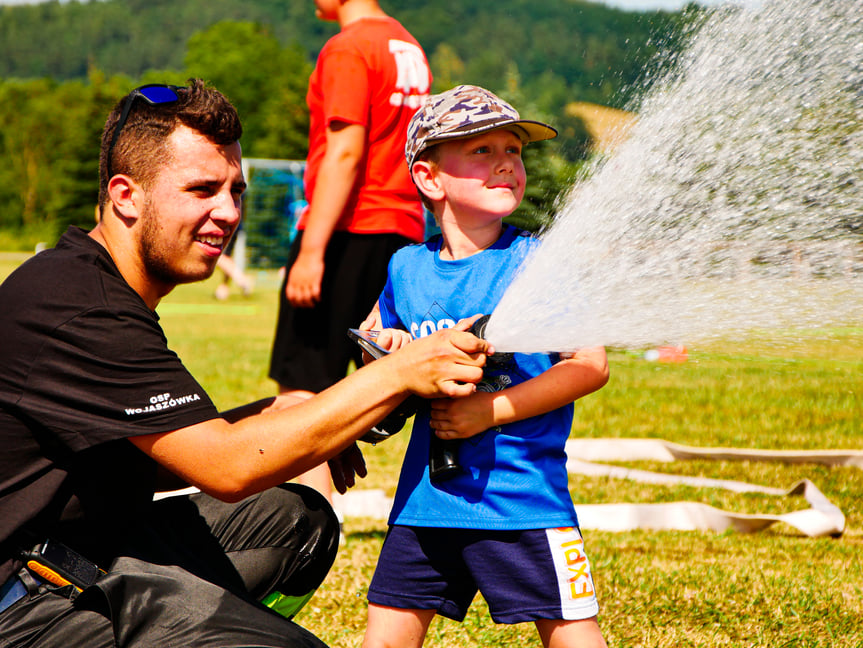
[[311, 349]]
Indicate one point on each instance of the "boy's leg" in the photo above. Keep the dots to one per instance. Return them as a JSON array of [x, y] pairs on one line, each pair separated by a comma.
[[542, 576], [396, 628], [420, 569], [584, 633]]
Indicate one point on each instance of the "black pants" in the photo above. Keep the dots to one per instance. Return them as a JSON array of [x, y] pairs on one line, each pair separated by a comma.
[[311, 349], [192, 577]]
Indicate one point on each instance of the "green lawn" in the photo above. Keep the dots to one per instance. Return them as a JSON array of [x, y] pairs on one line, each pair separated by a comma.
[[656, 589]]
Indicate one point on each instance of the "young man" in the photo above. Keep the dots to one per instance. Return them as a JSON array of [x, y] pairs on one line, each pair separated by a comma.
[[97, 414], [368, 81], [504, 522]]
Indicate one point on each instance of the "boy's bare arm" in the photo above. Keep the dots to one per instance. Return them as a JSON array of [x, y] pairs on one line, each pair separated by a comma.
[[573, 377]]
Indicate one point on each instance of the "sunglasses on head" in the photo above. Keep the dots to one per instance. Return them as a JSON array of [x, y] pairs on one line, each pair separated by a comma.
[[155, 94]]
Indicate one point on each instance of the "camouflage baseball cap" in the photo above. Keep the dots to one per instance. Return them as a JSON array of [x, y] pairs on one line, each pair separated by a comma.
[[466, 111]]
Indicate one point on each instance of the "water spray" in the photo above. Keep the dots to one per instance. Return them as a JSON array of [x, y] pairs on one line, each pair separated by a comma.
[[733, 205]]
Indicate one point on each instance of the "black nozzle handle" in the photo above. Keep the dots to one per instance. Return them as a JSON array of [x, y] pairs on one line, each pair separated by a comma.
[[443, 458], [443, 455], [394, 421]]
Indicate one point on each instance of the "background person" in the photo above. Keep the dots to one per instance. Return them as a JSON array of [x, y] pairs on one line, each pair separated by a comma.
[[231, 271], [368, 81], [504, 524], [97, 414]]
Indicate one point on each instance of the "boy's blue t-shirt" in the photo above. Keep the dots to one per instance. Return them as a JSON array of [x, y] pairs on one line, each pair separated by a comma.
[[513, 476]]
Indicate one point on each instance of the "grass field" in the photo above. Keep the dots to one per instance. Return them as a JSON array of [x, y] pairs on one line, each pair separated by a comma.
[[656, 589]]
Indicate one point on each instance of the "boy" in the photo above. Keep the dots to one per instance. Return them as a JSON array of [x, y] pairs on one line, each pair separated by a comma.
[[505, 524]]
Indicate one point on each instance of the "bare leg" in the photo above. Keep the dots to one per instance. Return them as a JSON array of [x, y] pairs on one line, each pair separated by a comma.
[[320, 479], [584, 633], [231, 272], [395, 628]]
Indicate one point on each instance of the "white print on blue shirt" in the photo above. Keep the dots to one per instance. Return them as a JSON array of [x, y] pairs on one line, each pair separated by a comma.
[[427, 327]]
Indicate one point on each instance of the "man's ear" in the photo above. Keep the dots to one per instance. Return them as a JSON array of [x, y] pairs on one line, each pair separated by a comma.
[[426, 179], [125, 196]]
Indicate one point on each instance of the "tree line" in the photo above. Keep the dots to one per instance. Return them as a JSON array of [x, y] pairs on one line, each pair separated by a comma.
[[64, 65]]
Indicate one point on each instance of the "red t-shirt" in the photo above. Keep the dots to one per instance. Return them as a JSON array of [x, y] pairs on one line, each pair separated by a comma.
[[375, 74]]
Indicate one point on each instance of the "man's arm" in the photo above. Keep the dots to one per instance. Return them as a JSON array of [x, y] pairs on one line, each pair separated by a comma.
[[271, 404], [573, 377], [346, 147], [234, 460]]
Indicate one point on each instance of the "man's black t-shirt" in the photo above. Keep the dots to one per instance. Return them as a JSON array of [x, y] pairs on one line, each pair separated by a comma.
[[84, 364]]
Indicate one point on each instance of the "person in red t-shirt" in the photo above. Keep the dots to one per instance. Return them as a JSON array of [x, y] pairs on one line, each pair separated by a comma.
[[369, 80]]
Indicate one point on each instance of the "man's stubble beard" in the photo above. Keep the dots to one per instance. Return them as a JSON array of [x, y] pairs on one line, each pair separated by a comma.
[[159, 256]]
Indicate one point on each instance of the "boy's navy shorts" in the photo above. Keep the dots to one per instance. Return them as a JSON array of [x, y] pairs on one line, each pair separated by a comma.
[[523, 575]]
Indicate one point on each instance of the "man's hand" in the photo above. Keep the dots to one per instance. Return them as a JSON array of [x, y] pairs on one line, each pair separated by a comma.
[[303, 288], [343, 156], [346, 466], [446, 363]]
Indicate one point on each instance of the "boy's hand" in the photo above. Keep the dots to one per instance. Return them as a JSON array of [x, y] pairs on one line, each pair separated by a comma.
[[373, 319], [393, 339], [463, 417], [389, 339]]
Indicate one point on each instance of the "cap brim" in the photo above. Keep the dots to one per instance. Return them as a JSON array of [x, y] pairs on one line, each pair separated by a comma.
[[536, 131], [529, 131]]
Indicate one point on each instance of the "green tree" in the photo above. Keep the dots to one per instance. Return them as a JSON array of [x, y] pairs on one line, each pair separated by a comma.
[[41, 124], [449, 70], [264, 81], [285, 112], [53, 104]]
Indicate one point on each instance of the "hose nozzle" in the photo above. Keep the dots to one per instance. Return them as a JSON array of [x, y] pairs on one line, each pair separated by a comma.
[[443, 455], [479, 326], [478, 329]]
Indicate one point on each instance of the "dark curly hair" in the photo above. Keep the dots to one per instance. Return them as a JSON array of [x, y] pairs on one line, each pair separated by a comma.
[[141, 148]]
